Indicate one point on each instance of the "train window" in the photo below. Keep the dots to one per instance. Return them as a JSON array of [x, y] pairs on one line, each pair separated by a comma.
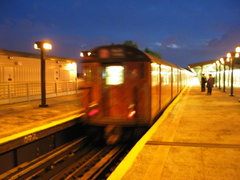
[[166, 74], [114, 75], [155, 74]]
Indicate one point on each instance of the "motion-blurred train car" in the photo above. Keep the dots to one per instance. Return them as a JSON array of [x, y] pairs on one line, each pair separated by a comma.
[[129, 88]]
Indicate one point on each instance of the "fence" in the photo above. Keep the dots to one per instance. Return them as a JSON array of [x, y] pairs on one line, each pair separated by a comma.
[[19, 92]]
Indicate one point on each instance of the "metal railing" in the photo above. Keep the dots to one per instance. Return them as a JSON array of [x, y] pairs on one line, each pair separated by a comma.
[[20, 92]]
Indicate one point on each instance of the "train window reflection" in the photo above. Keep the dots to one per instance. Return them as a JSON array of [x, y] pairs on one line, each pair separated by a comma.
[[166, 74], [114, 75]]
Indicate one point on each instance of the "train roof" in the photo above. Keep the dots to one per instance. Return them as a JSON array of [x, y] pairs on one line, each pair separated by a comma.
[[120, 53], [160, 61]]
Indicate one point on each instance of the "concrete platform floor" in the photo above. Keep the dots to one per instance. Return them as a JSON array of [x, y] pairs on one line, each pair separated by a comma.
[[19, 118], [197, 137]]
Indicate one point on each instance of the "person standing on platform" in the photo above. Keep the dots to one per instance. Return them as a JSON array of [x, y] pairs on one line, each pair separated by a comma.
[[210, 83], [203, 82]]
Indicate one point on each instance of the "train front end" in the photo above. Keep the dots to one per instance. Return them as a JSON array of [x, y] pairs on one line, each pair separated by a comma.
[[118, 81]]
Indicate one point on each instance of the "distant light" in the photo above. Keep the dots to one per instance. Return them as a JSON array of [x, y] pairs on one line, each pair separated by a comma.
[[237, 55], [237, 49], [229, 55], [85, 53], [222, 60]]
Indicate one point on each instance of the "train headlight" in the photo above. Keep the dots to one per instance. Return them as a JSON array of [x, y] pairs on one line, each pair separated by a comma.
[[85, 53]]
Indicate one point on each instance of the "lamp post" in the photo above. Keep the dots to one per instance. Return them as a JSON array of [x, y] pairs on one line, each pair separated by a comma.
[[216, 67], [223, 61], [43, 46], [232, 56], [219, 77], [237, 50]]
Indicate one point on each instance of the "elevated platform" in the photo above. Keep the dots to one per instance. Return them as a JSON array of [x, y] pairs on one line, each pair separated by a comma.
[[197, 137], [21, 123]]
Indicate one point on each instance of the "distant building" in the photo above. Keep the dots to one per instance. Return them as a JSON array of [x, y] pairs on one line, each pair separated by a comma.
[[25, 67], [20, 76]]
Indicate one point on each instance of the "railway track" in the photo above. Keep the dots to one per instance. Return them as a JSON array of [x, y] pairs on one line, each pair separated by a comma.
[[79, 159]]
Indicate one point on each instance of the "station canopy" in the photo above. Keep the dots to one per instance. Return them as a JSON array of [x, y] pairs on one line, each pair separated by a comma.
[[210, 67]]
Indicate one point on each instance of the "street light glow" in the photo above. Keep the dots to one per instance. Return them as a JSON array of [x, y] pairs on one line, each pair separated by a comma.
[[237, 49], [43, 45], [222, 60], [47, 46], [36, 46], [237, 55], [229, 55], [233, 54]]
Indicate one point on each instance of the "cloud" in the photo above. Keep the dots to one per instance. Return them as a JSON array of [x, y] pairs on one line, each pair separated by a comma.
[[158, 44], [174, 46], [174, 42], [228, 40]]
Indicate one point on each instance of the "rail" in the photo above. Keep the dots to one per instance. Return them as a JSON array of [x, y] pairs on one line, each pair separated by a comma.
[[19, 92]]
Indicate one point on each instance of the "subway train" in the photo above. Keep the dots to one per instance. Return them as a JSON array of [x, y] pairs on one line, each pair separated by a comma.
[[127, 89]]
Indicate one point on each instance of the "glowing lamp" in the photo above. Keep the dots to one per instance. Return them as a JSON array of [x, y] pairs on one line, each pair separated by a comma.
[[43, 45], [237, 55], [237, 49], [72, 66], [222, 60], [233, 54], [85, 53], [229, 55]]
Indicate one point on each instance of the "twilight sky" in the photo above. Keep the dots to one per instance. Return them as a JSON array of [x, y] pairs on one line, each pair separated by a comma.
[[183, 32]]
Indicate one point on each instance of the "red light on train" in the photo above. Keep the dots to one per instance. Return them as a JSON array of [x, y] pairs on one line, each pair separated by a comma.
[[93, 112], [131, 114]]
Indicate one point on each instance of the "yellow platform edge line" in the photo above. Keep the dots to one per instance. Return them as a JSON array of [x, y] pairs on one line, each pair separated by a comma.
[[55, 122], [127, 162]]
